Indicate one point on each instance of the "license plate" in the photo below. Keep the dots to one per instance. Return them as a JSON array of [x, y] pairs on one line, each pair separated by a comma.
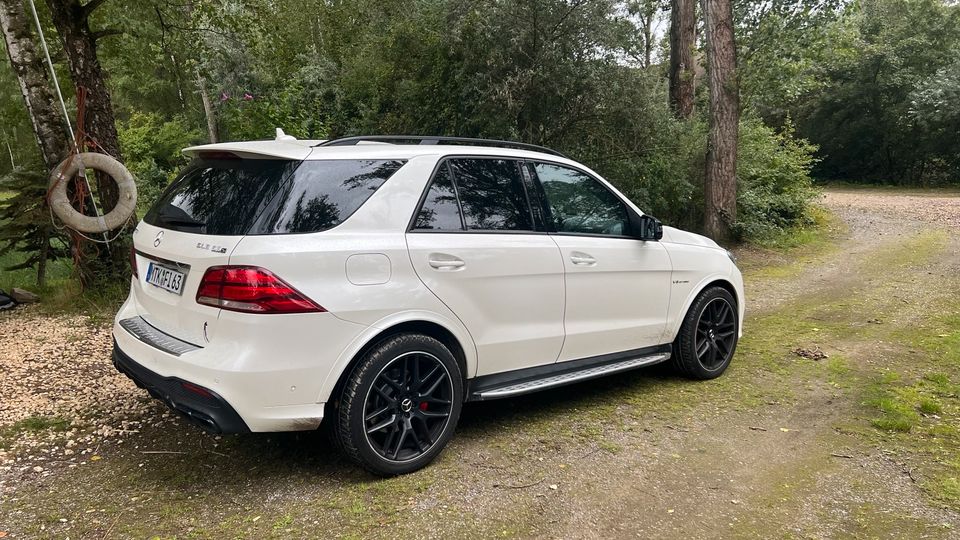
[[167, 279]]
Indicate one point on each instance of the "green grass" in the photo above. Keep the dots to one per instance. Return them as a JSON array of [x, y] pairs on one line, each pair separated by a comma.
[[817, 233], [62, 293], [919, 410], [789, 252], [32, 424]]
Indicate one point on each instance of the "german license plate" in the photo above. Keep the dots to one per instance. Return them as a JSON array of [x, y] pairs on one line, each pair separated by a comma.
[[167, 279]]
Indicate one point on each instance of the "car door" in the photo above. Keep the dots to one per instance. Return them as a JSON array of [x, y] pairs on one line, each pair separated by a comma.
[[617, 287], [474, 244]]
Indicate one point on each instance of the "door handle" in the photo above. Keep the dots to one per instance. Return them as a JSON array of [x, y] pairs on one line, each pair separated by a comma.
[[582, 259], [445, 262]]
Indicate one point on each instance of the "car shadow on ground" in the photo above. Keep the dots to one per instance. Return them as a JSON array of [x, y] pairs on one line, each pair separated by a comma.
[[175, 455]]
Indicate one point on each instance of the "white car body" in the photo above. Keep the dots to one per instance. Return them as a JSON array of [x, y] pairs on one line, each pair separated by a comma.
[[515, 301]]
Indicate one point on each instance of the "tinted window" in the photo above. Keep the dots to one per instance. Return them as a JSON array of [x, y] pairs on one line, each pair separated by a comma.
[[580, 204], [264, 196], [491, 194], [440, 211]]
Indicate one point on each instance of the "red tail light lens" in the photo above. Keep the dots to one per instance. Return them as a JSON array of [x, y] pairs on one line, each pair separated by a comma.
[[249, 289], [133, 261]]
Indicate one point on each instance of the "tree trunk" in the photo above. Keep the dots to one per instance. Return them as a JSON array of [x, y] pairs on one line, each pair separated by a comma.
[[35, 88], [682, 73], [80, 43], [648, 41], [71, 19], [720, 188], [42, 261], [212, 132]]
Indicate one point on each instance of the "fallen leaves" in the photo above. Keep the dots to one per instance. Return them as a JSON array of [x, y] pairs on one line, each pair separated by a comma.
[[815, 354]]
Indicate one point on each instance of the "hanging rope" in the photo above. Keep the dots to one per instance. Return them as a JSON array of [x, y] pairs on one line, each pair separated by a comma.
[[65, 207], [57, 199]]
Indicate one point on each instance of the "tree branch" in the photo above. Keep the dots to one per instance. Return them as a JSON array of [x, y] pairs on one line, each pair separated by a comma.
[[95, 36], [89, 7]]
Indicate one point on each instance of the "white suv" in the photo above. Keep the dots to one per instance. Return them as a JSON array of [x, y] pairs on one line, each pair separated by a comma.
[[381, 282]]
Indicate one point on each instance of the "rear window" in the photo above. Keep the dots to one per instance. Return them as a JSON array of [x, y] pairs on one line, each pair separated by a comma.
[[267, 196]]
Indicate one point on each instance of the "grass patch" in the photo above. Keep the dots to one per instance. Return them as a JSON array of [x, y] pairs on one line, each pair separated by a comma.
[[787, 253], [817, 233], [62, 293], [920, 413], [930, 406], [41, 423], [34, 424]]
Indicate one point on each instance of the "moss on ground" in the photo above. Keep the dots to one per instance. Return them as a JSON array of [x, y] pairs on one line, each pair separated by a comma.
[[9, 434]]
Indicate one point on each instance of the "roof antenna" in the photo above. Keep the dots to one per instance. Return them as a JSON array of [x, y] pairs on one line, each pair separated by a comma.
[[281, 136]]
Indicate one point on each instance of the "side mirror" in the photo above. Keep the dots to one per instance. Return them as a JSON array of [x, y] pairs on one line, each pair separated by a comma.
[[645, 227]]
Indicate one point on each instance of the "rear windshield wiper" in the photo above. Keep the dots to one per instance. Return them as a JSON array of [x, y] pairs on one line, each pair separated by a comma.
[[177, 217], [183, 222]]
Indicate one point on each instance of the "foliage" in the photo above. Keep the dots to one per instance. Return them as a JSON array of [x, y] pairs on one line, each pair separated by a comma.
[[27, 232], [152, 147], [773, 171], [935, 110], [861, 118], [780, 44], [570, 75]]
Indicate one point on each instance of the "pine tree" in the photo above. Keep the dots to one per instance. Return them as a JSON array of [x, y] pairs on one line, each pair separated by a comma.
[[27, 228]]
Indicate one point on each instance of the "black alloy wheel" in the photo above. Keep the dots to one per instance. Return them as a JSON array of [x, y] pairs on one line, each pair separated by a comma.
[[400, 405], [716, 333], [408, 406], [708, 335]]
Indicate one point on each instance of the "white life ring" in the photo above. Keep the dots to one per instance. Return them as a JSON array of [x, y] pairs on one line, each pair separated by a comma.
[[60, 203]]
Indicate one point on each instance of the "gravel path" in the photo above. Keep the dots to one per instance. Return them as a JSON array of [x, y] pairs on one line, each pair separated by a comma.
[[56, 370], [891, 207]]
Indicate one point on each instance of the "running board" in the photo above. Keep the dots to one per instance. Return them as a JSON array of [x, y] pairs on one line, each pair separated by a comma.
[[528, 385]]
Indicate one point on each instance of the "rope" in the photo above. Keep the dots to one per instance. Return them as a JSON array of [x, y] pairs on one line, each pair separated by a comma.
[[81, 95]]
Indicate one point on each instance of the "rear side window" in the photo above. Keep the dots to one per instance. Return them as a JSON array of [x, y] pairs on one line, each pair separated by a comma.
[[491, 194], [440, 211], [265, 196]]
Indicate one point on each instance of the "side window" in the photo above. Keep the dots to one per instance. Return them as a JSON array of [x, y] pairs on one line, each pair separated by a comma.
[[440, 211], [491, 194], [580, 204]]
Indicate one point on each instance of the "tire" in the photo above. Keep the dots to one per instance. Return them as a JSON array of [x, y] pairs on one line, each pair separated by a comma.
[[708, 336], [400, 405]]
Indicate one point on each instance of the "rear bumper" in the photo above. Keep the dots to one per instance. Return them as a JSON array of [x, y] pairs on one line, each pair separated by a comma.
[[200, 406], [269, 369]]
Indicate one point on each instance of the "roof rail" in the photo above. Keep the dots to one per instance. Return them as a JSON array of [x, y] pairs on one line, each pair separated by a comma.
[[425, 139]]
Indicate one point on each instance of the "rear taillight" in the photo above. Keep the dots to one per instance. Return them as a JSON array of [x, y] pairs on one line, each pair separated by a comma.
[[133, 261], [251, 290]]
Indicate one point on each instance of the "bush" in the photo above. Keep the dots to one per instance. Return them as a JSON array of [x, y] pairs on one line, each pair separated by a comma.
[[665, 177], [152, 151], [774, 185]]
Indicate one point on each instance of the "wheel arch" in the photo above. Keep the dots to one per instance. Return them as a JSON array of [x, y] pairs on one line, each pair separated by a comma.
[[464, 353], [711, 281]]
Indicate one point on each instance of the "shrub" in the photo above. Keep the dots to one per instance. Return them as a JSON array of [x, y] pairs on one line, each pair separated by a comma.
[[152, 151], [774, 185]]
